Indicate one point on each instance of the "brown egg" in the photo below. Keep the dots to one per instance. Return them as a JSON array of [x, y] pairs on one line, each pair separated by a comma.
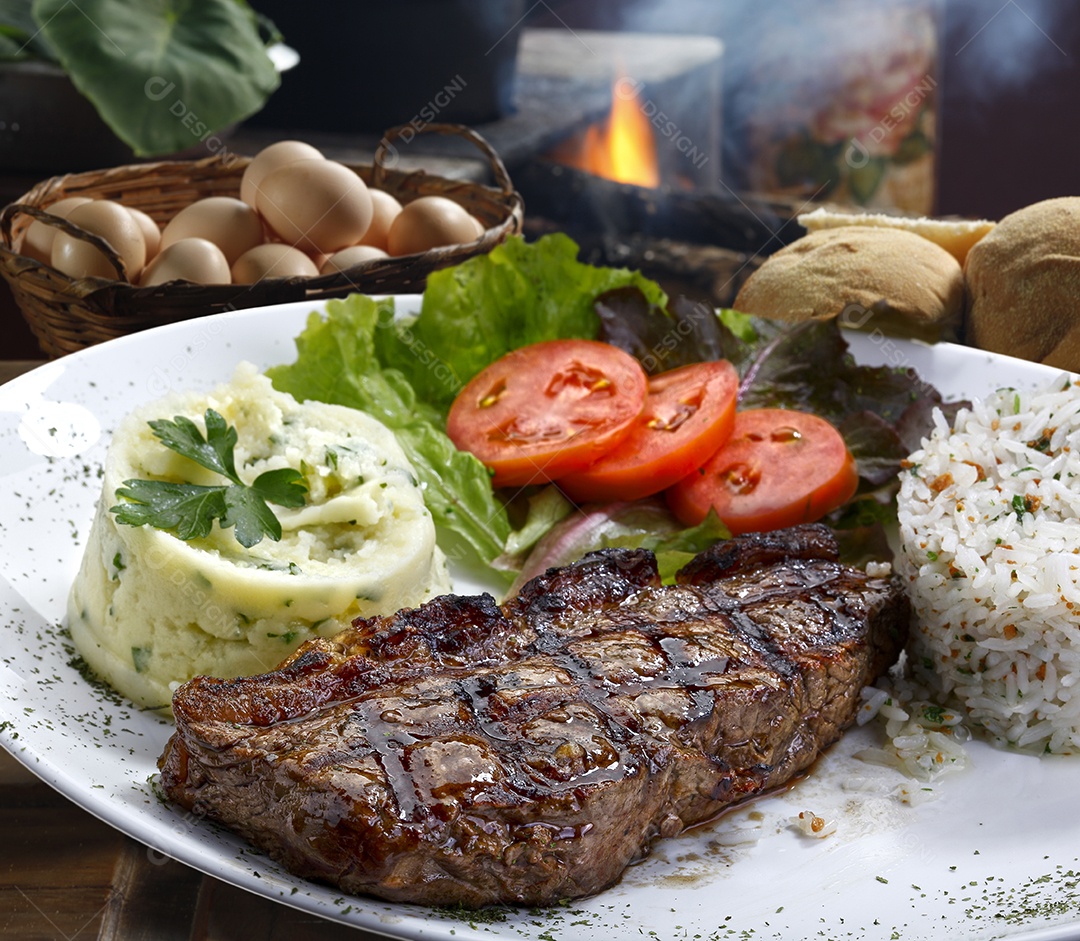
[[38, 241], [319, 206], [193, 259], [348, 257], [269, 159], [272, 260], [385, 211], [150, 232], [231, 224], [430, 222], [111, 221]]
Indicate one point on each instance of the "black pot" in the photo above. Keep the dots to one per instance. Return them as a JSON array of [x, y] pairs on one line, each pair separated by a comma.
[[46, 126], [366, 67]]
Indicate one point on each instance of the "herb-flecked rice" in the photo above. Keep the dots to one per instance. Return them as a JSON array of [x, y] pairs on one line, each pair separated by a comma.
[[989, 515]]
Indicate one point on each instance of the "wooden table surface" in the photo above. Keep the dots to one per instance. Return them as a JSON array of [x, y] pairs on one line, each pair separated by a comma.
[[65, 875]]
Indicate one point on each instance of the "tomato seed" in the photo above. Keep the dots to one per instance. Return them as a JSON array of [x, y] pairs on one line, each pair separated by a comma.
[[786, 434], [683, 412], [740, 478], [493, 395], [578, 378]]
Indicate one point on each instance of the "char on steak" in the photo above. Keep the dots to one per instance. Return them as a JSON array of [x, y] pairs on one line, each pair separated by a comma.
[[468, 753]]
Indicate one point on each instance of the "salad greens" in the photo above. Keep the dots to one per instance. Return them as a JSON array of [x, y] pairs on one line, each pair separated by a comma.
[[879, 411], [406, 371], [663, 338], [478, 311], [643, 524]]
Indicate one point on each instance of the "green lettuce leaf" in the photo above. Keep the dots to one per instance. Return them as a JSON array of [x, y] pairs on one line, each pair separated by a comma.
[[475, 312], [544, 508], [336, 363], [672, 546]]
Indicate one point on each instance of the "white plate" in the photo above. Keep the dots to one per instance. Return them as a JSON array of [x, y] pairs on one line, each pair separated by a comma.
[[992, 854]]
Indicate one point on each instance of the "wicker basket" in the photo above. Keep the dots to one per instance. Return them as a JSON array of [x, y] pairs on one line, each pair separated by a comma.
[[67, 314]]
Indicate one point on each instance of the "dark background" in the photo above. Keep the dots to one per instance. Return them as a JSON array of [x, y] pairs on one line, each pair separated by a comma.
[[1005, 147], [1009, 89]]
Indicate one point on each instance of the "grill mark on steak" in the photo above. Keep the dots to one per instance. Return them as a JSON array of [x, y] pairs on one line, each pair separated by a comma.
[[467, 753]]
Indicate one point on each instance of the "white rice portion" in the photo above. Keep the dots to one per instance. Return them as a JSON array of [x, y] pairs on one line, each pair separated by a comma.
[[989, 513]]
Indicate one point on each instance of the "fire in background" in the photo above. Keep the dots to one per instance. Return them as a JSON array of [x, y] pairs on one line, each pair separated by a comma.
[[621, 148], [822, 99]]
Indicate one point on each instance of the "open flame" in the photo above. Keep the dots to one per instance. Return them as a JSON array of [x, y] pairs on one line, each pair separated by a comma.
[[621, 148]]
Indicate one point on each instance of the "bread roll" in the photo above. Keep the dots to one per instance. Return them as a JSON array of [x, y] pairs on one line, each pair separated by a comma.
[[872, 278], [1024, 285], [956, 236]]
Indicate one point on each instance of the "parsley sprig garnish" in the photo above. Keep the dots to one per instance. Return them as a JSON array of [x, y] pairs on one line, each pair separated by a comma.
[[189, 510]]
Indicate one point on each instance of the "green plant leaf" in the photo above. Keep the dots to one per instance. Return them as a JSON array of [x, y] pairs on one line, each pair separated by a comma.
[[643, 524], [284, 486], [10, 47], [675, 549], [189, 510], [163, 74], [214, 452], [253, 519], [544, 508]]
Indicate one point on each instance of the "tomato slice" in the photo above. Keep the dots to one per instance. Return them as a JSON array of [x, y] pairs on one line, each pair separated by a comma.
[[779, 468], [689, 413], [548, 409]]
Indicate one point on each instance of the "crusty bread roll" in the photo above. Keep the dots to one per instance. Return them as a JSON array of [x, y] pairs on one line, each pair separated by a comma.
[[1024, 285], [956, 236], [872, 278]]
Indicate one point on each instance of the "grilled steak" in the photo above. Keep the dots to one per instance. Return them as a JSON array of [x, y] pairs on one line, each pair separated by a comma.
[[467, 753]]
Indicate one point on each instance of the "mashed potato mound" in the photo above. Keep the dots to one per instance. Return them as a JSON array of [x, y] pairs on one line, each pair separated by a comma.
[[148, 611]]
